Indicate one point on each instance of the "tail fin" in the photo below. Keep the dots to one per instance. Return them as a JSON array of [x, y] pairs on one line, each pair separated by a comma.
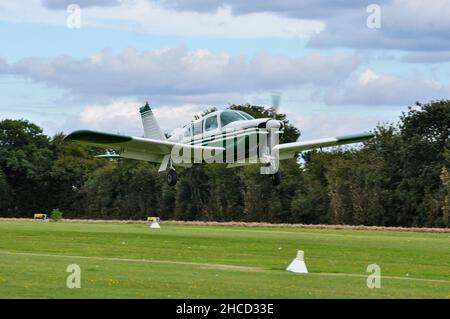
[[151, 127]]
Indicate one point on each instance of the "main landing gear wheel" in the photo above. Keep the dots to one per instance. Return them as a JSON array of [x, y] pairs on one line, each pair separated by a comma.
[[172, 177], [276, 178]]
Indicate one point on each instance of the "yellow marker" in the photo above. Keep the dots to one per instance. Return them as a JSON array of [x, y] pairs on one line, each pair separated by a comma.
[[153, 219], [40, 216]]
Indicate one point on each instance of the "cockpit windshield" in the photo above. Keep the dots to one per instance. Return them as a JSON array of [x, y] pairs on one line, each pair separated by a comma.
[[247, 116], [229, 116]]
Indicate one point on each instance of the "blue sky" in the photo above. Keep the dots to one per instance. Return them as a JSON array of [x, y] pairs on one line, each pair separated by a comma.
[[335, 74]]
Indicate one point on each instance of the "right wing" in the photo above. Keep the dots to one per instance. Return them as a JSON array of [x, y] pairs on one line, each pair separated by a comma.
[[288, 150], [138, 148]]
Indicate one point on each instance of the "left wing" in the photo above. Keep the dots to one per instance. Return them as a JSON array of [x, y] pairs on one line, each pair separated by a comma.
[[288, 150], [138, 148]]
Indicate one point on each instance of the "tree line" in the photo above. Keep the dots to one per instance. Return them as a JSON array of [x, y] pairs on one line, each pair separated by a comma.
[[400, 178]]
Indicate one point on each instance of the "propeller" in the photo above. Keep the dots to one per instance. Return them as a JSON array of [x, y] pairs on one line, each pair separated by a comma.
[[276, 99], [274, 128]]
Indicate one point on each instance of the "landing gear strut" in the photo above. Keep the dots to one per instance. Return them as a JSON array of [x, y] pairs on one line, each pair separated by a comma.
[[172, 177], [276, 178]]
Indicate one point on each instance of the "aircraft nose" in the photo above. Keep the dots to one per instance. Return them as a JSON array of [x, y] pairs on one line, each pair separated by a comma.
[[275, 124]]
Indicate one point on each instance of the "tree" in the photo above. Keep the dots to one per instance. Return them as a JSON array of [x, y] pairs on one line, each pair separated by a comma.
[[425, 132], [25, 160], [445, 178], [72, 165], [4, 193]]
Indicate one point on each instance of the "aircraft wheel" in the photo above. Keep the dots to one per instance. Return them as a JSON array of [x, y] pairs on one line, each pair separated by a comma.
[[172, 177], [276, 179]]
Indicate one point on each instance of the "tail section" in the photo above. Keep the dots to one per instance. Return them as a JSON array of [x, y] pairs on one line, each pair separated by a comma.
[[151, 127]]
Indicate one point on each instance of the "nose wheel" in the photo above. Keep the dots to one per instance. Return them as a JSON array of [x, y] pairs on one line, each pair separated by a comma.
[[276, 178], [172, 177]]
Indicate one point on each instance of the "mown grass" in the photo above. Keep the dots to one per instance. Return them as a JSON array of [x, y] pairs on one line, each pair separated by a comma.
[[178, 261]]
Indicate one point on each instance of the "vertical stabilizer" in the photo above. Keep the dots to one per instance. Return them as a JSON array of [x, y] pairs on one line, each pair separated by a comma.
[[151, 127]]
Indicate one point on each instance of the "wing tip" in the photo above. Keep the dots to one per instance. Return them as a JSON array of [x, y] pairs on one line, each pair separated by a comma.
[[89, 136], [356, 137]]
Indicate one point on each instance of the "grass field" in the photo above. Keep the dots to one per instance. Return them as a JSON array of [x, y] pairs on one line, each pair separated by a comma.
[[179, 261]]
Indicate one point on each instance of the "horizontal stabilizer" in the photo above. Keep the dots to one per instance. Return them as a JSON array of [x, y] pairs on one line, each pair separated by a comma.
[[111, 156]]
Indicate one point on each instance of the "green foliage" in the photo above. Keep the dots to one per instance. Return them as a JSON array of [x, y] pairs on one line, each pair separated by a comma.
[[4, 192], [400, 178], [445, 195], [25, 159], [56, 215]]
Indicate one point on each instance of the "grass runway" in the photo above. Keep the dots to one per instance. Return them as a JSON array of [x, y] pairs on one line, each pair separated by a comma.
[[187, 261]]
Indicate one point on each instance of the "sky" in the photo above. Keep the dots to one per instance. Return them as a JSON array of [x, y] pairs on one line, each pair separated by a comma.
[[340, 66]]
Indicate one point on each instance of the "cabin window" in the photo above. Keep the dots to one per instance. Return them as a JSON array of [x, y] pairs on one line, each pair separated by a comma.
[[211, 123], [226, 117], [187, 132], [198, 128]]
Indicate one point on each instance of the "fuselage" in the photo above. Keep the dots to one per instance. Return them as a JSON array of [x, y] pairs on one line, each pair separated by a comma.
[[237, 132]]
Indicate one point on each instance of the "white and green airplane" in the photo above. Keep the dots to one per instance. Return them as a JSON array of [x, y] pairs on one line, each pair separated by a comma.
[[226, 136]]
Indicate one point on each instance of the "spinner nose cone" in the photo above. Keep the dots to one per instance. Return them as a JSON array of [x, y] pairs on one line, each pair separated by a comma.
[[274, 124]]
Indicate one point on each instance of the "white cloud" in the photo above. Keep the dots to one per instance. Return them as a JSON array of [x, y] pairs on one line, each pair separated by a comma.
[[124, 117], [93, 115], [178, 71], [406, 24], [367, 76], [150, 18], [323, 124], [412, 25], [289, 8], [62, 4], [371, 88]]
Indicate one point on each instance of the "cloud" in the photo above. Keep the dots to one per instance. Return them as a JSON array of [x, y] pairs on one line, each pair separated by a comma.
[[323, 124], [62, 4], [406, 24], [152, 18], [178, 71], [142, 16], [4, 66], [124, 117], [411, 25], [290, 8], [426, 57], [370, 88]]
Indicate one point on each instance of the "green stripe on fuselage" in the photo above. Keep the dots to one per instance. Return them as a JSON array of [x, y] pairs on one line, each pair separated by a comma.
[[231, 142]]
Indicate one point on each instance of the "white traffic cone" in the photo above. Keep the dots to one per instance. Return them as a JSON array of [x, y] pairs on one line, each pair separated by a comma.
[[155, 225], [298, 264]]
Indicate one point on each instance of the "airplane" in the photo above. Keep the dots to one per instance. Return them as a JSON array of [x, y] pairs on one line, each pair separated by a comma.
[[226, 136]]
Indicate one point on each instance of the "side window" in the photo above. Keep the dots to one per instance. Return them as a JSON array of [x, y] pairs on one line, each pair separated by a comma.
[[187, 132], [198, 128], [211, 123]]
